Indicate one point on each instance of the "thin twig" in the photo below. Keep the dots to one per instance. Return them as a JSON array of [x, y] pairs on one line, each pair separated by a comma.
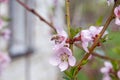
[[36, 14], [98, 55], [67, 5], [105, 57]]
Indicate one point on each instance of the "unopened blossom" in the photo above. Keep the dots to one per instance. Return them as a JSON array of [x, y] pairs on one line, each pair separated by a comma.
[[118, 74], [117, 14], [106, 70], [4, 61], [63, 58]]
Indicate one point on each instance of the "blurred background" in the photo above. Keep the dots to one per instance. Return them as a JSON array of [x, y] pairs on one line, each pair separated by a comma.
[[30, 47]]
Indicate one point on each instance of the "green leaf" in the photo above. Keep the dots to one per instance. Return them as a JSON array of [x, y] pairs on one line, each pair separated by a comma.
[[116, 50], [6, 19], [68, 74], [99, 21], [72, 70], [84, 62], [115, 65], [104, 39], [65, 78], [74, 31]]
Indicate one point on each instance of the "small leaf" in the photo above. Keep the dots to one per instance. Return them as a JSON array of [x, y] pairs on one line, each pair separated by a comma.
[[115, 65], [65, 78], [74, 31], [68, 74], [99, 21], [6, 19], [72, 70], [116, 50], [104, 39], [84, 62]]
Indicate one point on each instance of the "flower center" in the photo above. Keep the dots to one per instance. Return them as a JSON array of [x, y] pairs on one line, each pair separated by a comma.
[[64, 57]]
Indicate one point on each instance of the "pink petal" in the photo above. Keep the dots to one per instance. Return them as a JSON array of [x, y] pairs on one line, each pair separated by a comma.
[[108, 64], [109, 2], [117, 21], [63, 66], [116, 11], [85, 46], [71, 60], [85, 35], [118, 74], [107, 77], [55, 61], [66, 50], [104, 70]]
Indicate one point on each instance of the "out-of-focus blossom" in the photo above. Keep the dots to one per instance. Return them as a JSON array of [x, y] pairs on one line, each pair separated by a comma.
[[106, 70], [107, 67], [3, 1], [110, 2], [118, 74], [106, 77], [6, 34], [117, 14], [63, 58], [4, 61]]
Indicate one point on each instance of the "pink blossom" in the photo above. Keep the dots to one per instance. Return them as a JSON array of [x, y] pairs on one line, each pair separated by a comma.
[[63, 58], [106, 70], [117, 14], [106, 77], [85, 39], [88, 36], [94, 31], [118, 74], [3, 1], [110, 2], [60, 38], [4, 61], [107, 67]]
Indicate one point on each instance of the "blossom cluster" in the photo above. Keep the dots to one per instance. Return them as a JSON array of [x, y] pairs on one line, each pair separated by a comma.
[[107, 69], [63, 57]]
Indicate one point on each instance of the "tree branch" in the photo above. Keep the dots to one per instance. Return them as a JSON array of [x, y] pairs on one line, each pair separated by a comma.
[[36, 14]]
